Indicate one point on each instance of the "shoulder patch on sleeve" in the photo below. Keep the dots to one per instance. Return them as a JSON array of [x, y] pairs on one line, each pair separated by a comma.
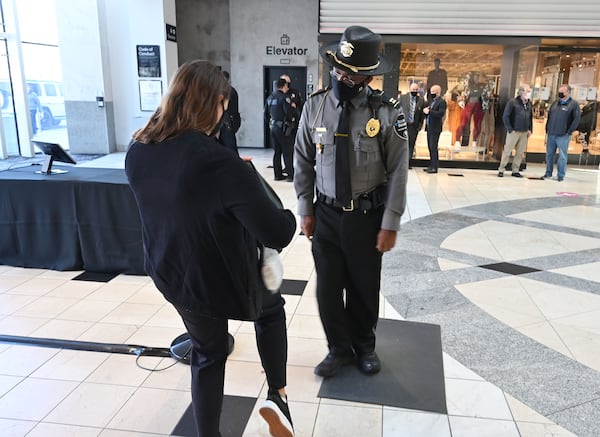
[[400, 128]]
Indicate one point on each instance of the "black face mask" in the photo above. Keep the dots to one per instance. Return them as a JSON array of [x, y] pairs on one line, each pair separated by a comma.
[[219, 125], [433, 96], [414, 93], [561, 95], [343, 92]]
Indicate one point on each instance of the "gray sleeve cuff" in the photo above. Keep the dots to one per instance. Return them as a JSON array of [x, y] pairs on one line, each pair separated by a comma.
[[391, 220], [305, 207]]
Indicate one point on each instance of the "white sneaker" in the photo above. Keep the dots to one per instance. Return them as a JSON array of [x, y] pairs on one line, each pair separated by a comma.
[[276, 413]]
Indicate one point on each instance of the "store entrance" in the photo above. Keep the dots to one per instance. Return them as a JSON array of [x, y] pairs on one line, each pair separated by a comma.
[[579, 69]]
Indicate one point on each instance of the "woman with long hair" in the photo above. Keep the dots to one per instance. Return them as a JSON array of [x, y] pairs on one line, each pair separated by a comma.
[[204, 213]]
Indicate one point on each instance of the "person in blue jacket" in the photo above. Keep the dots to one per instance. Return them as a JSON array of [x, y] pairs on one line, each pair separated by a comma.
[[563, 118]]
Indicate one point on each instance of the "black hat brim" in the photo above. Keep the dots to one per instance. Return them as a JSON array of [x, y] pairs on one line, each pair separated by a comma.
[[383, 67]]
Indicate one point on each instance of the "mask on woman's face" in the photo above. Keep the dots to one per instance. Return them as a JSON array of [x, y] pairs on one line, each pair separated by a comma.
[[343, 92], [219, 125]]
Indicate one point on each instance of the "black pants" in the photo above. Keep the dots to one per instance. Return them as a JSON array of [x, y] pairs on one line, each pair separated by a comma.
[[282, 145], [209, 354], [433, 139], [343, 247], [413, 131]]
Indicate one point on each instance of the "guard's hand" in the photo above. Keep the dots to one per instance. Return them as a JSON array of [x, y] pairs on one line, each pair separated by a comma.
[[308, 225], [386, 240], [247, 158]]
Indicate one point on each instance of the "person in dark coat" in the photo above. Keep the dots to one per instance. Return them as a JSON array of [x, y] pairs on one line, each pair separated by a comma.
[[412, 105], [281, 113], [231, 120], [563, 118], [204, 213], [433, 125]]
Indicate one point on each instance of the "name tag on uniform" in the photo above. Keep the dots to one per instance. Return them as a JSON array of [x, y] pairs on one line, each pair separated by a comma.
[[320, 131]]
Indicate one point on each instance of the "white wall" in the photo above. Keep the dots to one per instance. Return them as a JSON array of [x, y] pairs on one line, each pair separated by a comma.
[[256, 24], [82, 67], [131, 23]]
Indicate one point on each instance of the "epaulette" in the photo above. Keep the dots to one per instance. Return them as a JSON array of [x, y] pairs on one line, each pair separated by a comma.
[[378, 98], [321, 91]]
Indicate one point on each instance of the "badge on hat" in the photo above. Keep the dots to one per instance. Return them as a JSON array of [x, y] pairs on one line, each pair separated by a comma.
[[373, 126], [346, 49]]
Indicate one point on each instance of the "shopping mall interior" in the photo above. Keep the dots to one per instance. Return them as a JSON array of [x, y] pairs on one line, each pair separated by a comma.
[[489, 302]]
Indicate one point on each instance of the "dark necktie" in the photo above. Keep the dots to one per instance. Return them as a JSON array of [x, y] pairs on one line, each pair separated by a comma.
[[343, 187]]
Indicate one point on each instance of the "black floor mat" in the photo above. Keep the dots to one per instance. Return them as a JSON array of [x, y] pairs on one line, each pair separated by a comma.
[[95, 276], [412, 373], [234, 418], [511, 269], [293, 286]]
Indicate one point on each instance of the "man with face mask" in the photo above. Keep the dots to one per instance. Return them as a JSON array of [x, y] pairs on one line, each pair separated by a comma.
[[351, 154], [518, 121], [563, 118], [412, 106], [281, 114]]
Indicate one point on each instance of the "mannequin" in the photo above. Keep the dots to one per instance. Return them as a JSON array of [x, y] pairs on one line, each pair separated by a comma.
[[476, 95]]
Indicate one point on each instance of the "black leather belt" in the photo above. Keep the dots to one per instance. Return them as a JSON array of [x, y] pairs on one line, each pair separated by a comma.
[[363, 202], [277, 123]]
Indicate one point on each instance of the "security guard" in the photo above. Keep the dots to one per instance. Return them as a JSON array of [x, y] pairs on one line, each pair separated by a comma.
[[351, 228], [281, 114]]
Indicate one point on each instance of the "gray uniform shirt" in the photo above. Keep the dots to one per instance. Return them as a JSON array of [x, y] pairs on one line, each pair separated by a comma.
[[314, 157]]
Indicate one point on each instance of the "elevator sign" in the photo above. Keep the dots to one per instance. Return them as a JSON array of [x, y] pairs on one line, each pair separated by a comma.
[[285, 49]]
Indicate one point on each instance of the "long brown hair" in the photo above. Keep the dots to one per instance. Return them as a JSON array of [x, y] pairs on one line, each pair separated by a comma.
[[190, 103]]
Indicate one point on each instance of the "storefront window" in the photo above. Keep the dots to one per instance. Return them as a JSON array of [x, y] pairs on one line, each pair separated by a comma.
[[579, 69], [469, 76]]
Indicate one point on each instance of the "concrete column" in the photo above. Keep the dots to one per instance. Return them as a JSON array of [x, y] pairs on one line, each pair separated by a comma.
[[391, 79], [82, 41]]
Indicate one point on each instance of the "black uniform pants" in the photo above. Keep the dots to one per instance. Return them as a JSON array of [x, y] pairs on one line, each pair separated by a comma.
[[282, 145], [345, 255], [209, 354]]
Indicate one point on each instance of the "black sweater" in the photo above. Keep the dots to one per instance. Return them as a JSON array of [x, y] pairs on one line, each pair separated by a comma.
[[203, 211]]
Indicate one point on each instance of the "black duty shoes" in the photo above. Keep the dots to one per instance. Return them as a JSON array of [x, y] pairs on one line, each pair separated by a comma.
[[369, 363], [516, 174], [276, 413], [333, 363]]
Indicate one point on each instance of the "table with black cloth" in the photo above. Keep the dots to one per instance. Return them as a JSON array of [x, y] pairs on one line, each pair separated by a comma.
[[86, 219]]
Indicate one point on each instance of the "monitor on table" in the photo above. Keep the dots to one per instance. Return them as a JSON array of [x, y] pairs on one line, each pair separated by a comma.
[[53, 152]]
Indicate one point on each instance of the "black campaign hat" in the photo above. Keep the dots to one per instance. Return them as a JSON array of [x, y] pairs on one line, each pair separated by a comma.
[[358, 52]]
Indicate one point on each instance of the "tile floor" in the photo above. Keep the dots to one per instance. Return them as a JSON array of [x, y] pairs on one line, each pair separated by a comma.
[[521, 340]]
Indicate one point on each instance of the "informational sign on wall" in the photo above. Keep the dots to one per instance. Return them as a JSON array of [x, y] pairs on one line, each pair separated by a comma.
[[148, 60], [150, 94], [171, 33]]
